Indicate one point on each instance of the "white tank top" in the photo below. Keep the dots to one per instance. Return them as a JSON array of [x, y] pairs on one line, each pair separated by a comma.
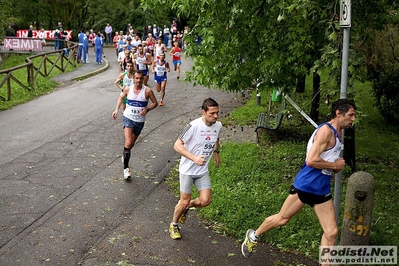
[[135, 103], [160, 70], [127, 82], [158, 50], [140, 59], [330, 155]]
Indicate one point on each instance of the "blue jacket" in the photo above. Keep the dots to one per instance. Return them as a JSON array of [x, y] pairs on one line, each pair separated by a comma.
[[98, 41]]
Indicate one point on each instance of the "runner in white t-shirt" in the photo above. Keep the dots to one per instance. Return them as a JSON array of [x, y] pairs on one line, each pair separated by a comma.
[[196, 144]]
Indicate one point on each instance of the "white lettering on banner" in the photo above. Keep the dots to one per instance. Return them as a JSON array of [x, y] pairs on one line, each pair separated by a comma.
[[23, 44], [49, 34]]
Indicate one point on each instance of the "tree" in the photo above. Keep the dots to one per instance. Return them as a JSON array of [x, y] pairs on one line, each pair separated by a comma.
[[6, 16], [248, 40]]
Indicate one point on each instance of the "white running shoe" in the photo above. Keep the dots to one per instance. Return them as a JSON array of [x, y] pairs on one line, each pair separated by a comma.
[[126, 173]]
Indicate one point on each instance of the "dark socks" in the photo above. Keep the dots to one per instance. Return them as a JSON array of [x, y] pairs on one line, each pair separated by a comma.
[[126, 157]]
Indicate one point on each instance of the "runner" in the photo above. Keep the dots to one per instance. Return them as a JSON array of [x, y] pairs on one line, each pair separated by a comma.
[[160, 67], [134, 115], [125, 79], [143, 60], [176, 57]]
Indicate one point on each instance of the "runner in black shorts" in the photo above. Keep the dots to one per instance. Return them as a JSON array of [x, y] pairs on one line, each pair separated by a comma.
[[310, 198], [312, 183]]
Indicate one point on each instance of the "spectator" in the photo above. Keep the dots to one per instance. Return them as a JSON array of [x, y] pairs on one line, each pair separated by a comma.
[[108, 34], [57, 36], [166, 35], [30, 31], [61, 38], [98, 47], [42, 36], [10, 31]]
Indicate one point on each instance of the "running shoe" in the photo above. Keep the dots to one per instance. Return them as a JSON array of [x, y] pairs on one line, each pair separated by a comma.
[[126, 173], [183, 217], [248, 244], [174, 231], [161, 103]]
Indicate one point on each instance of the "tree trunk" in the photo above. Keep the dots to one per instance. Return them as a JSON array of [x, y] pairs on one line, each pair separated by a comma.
[[300, 84], [314, 111]]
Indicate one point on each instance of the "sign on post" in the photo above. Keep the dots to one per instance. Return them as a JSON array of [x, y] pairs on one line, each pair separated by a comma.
[[345, 13]]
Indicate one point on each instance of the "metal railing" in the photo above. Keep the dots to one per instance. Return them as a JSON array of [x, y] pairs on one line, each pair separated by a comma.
[[65, 57]]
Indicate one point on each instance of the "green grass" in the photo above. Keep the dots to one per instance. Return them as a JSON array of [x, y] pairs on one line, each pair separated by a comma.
[[254, 179], [21, 95]]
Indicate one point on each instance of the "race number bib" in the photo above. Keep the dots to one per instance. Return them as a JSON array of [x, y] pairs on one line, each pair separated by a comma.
[[140, 62], [207, 147], [160, 70]]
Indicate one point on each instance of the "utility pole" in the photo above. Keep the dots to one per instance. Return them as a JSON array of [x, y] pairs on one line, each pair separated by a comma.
[[345, 23]]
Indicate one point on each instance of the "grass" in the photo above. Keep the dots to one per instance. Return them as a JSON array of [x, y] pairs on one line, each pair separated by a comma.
[[21, 95], [254, 179]]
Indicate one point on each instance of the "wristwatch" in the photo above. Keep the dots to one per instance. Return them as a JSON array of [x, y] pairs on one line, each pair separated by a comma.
[[148, 109], [216, 151]]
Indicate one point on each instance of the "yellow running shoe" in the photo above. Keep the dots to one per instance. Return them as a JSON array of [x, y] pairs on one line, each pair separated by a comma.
[[174, 231], [248, 244]]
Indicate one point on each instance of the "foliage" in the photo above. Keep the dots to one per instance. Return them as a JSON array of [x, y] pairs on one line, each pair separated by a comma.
[[244, 41], [247, 41], [386, 92], [78, 14], [6, 16]]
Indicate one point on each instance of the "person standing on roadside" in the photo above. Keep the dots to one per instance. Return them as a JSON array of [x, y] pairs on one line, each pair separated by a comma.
[[86, 48], [196, 144], [57, 36], [134, 115], [30, 31], [98, 46], [81, 39], [166, 33], [312, 183], [92, 36], [108, 34], [42, 36]]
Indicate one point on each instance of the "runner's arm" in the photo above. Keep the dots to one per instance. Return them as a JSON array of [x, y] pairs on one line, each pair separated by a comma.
[[122, 95]]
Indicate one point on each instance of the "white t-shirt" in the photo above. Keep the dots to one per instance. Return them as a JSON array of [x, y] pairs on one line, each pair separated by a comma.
[[121, 56], [199, 139]]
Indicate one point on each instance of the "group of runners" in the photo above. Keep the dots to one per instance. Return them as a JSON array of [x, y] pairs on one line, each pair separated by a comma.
[[146, 56]]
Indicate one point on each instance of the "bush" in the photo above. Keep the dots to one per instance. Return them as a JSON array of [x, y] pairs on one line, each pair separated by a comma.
[[386, 93]]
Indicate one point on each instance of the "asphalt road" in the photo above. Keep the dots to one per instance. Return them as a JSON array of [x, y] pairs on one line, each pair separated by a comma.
[[63, 200]]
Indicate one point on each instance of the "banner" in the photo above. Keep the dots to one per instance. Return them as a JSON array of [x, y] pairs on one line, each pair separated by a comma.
[[22, 44], [49, 34]]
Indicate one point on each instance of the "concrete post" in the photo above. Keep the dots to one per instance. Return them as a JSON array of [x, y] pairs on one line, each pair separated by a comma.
[[358, 210]]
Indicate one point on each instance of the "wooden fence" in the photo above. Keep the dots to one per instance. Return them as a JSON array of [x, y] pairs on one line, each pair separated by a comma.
[[44, 67]]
